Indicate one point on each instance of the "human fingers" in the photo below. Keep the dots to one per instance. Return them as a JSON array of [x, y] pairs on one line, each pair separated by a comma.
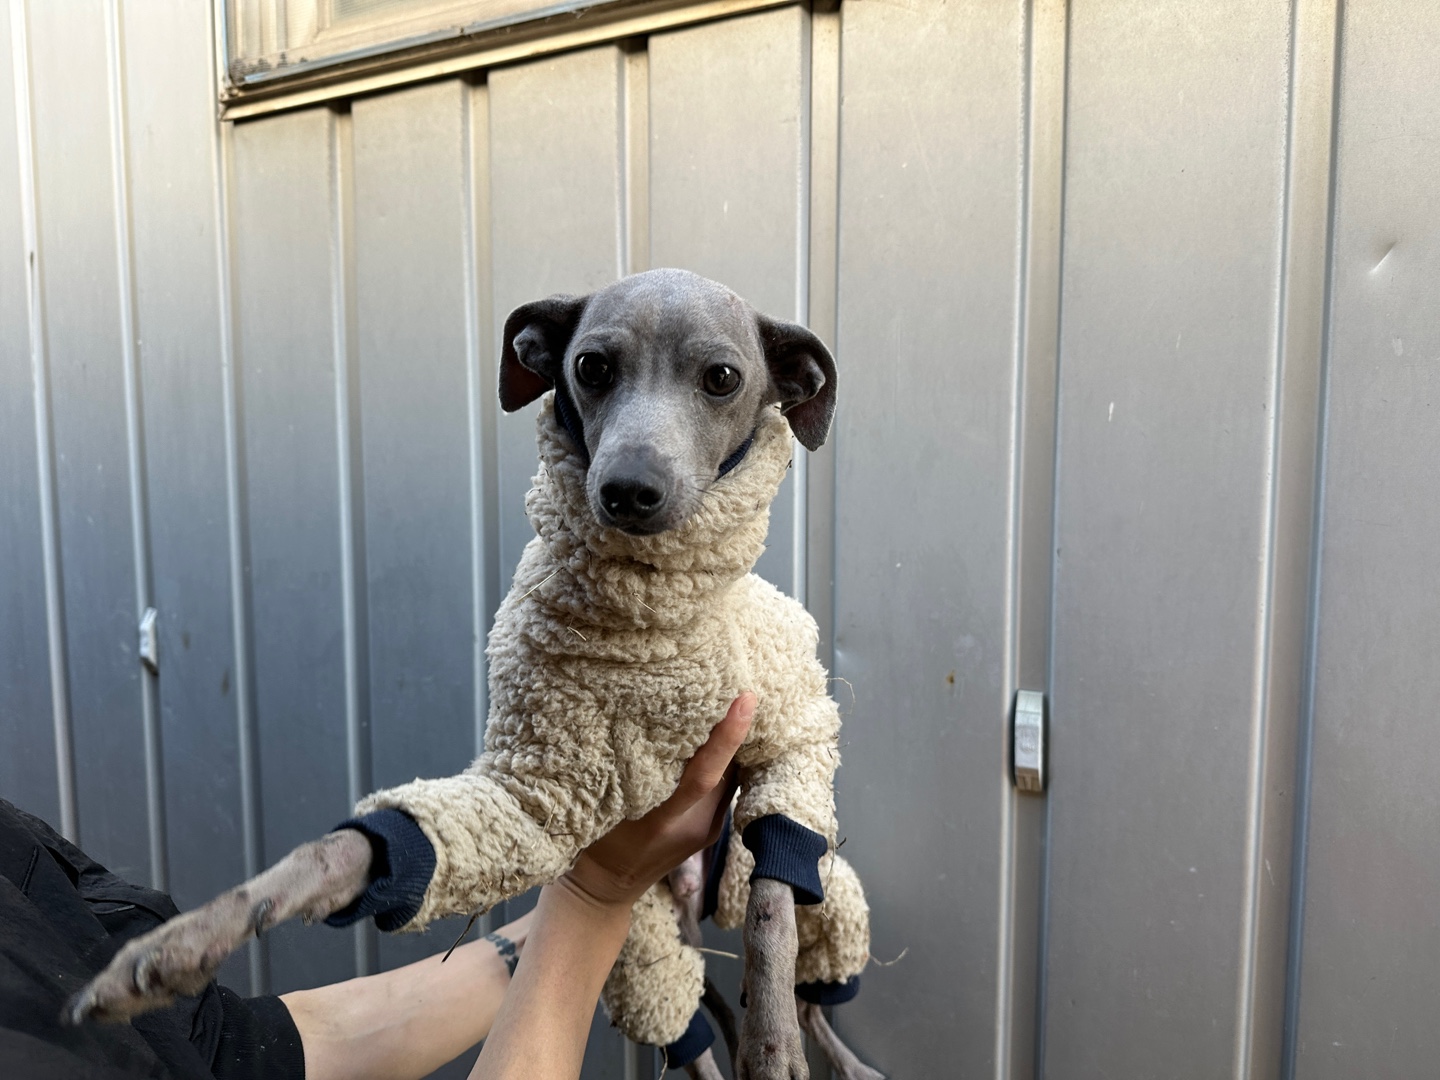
[[636, 853], [707, 769]]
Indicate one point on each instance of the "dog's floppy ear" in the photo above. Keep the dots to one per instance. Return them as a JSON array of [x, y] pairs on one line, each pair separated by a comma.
[[802, 378], [536, 336]]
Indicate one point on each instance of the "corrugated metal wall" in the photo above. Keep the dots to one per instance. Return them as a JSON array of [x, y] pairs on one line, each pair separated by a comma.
[[1137, 310]]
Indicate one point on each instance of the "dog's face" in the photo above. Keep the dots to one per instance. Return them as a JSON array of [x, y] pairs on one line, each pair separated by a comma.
[[668, 374]]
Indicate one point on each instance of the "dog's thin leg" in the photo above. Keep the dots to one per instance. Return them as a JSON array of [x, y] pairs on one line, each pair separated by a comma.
[[182, 956], [687, 884], [720, 1009], [704, 1068], [843, 1062], [770, 1043]]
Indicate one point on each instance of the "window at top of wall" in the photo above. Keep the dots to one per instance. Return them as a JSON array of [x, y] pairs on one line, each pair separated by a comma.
[[267, 40]]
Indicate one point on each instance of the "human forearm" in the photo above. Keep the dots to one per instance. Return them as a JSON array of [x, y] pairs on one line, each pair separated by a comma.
[[542, 1026], [407, 1022], [584, 916]]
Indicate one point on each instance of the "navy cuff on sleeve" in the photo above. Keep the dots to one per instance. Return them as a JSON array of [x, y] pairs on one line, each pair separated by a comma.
[[696, 1040], [828, 993], [787, 851], [404, 861]]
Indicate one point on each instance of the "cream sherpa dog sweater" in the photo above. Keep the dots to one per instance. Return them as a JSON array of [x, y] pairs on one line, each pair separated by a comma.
[[611, 659]]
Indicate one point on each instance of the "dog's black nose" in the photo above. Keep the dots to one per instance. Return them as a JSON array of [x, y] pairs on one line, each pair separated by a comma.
[[633, 499]]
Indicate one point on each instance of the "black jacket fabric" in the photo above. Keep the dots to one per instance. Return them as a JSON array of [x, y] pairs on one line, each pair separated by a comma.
[[62, 917]]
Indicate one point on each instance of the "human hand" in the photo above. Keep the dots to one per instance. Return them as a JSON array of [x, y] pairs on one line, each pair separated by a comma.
[[621, 865]]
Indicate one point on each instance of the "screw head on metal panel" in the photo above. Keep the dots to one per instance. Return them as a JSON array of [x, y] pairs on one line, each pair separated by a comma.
[[1028, 741], [149, 642]]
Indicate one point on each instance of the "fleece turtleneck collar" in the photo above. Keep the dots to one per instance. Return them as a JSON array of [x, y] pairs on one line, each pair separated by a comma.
[[619, 579]]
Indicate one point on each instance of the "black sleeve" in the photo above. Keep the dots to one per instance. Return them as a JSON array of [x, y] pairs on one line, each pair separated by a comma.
[[258, 1040]]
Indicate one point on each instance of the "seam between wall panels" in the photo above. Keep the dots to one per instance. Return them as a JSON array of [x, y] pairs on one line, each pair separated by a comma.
[[222, 155], [44, 438], [135, 435], [481, 376], [1030, 523], [1004, 906], [469, 264], [817, 273], [354, 607], [799, 535], [634, 108], [1261, 674], [622, 169], [1052, 537], [1289, 542], [822, 302], [1306, 734]]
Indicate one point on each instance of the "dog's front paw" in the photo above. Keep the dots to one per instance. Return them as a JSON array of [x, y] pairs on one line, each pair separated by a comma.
[[771, 1049], [173, 960], [180, 957]]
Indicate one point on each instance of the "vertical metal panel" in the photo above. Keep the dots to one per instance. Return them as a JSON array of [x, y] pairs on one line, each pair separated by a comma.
[[930, 139], [237, 536], [134, 413], [1267, 981], [28, 774], [354, 593], [411, 302], [555, 161], [557, 158], [482, 396], [817, 511], [1371, 949], [285, 352], [822, 303], [83, 330], [1032, 530], [177, 314], [737, 92], [635, 111], [1174, 177]]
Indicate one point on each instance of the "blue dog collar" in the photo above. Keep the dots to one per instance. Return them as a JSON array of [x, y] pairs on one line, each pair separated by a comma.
[[738, 456]]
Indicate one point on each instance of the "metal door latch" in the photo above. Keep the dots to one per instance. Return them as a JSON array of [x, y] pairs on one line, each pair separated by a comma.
[[149, 642], [1028, 741]]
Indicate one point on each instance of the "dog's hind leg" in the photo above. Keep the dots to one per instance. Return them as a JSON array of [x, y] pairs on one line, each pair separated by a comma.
[[843, 1062], [687, 884], [704, 1068], [724, 1016], [834, 949], [654, 988]]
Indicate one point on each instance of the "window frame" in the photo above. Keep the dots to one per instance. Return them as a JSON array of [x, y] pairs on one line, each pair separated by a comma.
[[538, 30], [270, 40]]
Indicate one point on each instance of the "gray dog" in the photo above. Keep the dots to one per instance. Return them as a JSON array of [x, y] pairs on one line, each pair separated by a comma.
[[663, 382]]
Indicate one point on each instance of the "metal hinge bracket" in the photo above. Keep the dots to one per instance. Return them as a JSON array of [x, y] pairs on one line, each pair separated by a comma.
[[149, 641], [1027, 745]]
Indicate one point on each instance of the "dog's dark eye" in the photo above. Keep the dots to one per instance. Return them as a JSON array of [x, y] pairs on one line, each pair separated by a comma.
[[721, 380], [594, 370]]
